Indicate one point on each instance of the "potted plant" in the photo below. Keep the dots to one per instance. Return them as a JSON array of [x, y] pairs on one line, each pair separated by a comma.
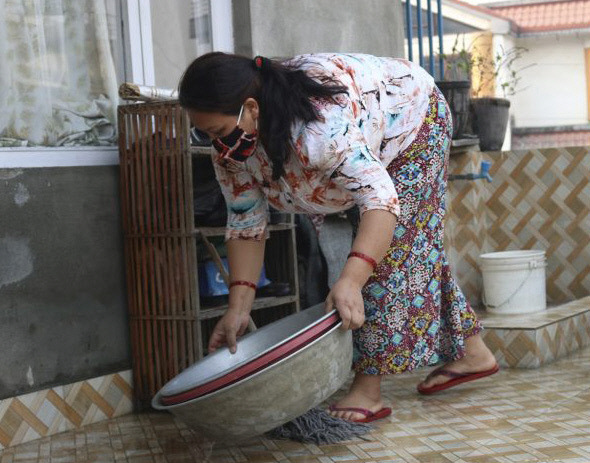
[[456, 87], [487, 115], [490, 114]]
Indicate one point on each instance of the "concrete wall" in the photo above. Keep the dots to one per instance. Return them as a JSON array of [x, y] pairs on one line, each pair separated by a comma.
[[62, 296], [282, 28], [278, 28]]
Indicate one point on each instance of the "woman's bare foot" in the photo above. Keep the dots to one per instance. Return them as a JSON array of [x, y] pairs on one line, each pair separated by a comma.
[[477, 358], [365, 392]]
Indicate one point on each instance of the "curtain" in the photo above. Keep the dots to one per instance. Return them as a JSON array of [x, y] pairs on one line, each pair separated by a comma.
[[58, 85]]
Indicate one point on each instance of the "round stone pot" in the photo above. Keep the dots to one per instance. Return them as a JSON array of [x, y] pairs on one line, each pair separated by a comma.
[[457, 94]]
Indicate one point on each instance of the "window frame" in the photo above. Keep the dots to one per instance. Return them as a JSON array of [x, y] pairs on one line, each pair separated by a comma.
[[587, 67]]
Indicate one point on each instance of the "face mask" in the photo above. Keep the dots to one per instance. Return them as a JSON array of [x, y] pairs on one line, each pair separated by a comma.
[[238, 145]]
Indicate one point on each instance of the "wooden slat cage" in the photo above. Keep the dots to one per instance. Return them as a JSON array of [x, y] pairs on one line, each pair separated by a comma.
[[157, 209], [169, 326]]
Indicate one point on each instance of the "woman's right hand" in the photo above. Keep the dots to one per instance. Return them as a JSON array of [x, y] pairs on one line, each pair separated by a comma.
[[231, 326], [346, 297]]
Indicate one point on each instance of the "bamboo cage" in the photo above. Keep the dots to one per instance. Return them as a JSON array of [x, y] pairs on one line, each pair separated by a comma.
[[157, 209], [169, 326]]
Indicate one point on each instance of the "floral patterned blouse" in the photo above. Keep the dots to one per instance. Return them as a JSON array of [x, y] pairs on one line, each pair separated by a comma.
[[341, 159]]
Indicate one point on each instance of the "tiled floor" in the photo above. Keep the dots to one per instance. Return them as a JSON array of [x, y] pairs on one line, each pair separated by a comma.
[[515, 416]]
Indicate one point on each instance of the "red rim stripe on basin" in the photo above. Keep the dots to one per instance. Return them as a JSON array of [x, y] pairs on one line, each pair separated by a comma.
[[255, 365]]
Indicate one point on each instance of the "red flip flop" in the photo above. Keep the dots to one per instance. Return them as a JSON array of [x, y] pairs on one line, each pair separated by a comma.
[[456, 379], [369, 415]]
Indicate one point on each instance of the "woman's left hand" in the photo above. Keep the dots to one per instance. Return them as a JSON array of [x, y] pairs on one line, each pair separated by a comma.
[[347, 299]]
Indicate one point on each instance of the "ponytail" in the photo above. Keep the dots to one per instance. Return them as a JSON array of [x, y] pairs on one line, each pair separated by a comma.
[[219, 82]]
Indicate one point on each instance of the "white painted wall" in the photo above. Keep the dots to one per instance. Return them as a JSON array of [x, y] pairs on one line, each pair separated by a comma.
[[502, 44], [556, 93]]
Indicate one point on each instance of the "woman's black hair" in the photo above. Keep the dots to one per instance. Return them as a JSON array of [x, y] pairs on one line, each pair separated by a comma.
[[221, 82]]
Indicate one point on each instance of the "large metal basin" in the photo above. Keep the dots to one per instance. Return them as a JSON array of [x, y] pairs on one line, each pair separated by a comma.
[[273, 395], [251, 346]]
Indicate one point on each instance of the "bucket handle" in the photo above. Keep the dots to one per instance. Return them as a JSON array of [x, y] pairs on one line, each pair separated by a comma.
[[532, 265]]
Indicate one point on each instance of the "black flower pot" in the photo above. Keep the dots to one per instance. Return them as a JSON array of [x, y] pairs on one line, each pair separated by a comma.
[[490, 120], [457, 94]]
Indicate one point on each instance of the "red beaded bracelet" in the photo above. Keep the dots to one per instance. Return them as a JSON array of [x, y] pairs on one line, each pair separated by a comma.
[[243, 283], [365, 257]]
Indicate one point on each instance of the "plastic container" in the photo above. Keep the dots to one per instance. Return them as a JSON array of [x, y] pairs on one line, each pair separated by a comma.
[[514, 281]]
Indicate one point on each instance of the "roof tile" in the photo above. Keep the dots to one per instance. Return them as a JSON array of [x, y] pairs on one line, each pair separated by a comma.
[[551, 16]]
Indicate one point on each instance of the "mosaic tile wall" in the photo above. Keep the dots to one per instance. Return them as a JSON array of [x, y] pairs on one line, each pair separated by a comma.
[[533, 340], [62, 408], [538, 199]]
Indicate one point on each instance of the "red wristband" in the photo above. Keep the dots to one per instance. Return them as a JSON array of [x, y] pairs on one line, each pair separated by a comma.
[[364, 257], [243, 283]]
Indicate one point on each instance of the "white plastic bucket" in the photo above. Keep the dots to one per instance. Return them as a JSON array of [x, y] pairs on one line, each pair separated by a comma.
[[514, 281]]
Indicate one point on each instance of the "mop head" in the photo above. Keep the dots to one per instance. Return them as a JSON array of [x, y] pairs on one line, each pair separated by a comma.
[[319, 427]]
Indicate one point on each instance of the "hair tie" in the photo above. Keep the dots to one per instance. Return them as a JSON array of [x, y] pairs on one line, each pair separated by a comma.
[[261, 63]]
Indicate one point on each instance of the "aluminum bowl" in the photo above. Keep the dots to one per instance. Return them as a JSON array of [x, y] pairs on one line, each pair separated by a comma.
[[221, 363], [273, 395]]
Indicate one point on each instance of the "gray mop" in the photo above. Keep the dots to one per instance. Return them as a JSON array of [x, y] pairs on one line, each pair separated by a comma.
[[318, 427]]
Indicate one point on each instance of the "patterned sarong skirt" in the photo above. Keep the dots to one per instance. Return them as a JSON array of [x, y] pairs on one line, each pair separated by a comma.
[[415, 314]]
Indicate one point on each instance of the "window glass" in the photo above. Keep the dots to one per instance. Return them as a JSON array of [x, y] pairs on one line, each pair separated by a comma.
[[181, 31], [58, 79]]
